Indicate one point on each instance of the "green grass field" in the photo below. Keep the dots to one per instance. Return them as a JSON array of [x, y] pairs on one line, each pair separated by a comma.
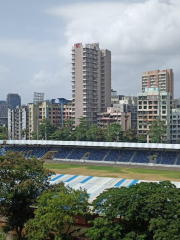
[[116, 172]]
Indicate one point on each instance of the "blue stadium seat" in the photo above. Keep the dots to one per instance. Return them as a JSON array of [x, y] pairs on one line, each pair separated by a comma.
[[113, 155], [77, 153], [126, 155], [36, 151], [97, 153], [63, 153], [166, 157], [141, 156]]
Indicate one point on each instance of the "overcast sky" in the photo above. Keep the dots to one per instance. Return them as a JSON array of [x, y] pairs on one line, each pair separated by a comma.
[[36, 37]]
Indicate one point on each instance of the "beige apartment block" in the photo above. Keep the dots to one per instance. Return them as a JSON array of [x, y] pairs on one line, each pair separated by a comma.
[[91, 81], [162, 79], [153, 104], [114, 115]]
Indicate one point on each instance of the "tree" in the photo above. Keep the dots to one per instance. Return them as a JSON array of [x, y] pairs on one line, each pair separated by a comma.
[[143, 211], [157, 132], [2, 236], [46, 129], [130, 135], [95, 133], [64, 133], [56, 209], [3, 132], [21, 181], [141, 138], [79, 133], [113, 132], [24, 132]]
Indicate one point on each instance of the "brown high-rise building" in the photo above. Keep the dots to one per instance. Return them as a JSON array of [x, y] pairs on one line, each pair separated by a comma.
[[91, 81], [162, 79]]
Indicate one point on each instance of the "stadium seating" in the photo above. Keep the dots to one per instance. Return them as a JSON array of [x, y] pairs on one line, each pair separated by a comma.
[[141, 156], [77, 153], [178, 161], [126, 155], [36, 151], [166, 157], [97, 153], [63, 153], [113, 155]]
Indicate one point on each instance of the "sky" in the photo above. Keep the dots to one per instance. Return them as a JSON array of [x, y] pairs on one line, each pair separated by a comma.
[[36, 38]]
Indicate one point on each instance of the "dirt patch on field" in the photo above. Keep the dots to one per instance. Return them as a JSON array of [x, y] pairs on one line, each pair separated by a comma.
[[103, 173]]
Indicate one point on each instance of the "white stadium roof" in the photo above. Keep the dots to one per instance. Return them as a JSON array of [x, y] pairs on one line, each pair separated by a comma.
[[91, 144], [95, 185]]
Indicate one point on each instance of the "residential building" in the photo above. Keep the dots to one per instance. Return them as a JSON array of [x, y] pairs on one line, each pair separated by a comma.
[[91, 81], [4, 112], [128, 104], [18, 123], [65, 107], [153, 104], [175, 126], [162, 79], [14, 100], [115, 97], [113, 114]]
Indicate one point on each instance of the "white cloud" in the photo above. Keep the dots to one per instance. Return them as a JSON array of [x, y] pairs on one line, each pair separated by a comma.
[[140, 35], [28, 49]]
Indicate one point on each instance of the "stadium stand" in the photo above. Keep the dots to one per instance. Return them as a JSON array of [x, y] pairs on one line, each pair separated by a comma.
[[166, 157], [97, 154], [126, 155], [27, 151], [141, 156], [113, 155], [77, 153], [63, 153]]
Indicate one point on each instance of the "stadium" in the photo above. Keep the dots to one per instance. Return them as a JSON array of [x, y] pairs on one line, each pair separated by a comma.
[[97, 166]]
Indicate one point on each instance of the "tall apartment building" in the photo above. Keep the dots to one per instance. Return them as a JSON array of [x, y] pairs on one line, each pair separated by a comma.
[[153, 104], [14, 100], [115, 97], [56, 113], [162, 79], [18, 123], [175, 126], [91, 81], [4, 112]]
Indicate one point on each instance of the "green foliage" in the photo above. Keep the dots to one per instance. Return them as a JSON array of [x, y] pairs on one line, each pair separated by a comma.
[[113, 132], [46, 129], [143, 211], [141, 138], [2, 236], [64, 133], [79, 133], [3, 132], [157, 132], [56, 209], [130, 135], [21, 181]]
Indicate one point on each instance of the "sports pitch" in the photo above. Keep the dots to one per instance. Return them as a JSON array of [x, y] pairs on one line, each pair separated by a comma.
[[115, 172]]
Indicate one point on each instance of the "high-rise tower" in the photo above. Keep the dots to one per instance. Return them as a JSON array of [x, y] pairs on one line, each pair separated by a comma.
[[91, 81]]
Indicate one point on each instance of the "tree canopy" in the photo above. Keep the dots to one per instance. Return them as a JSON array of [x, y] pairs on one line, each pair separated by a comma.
[[143, 211], [55, 213], [21, 181], [157, 132]]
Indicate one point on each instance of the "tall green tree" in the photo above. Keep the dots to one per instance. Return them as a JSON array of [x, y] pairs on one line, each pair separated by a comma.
[[56, 209], [95, 133], [46, 129], [130, 135], [141, 138], [113, 133], [143, 211], [79, 133], [64, 133], [4, 132], [157, 132], [21, 181]]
